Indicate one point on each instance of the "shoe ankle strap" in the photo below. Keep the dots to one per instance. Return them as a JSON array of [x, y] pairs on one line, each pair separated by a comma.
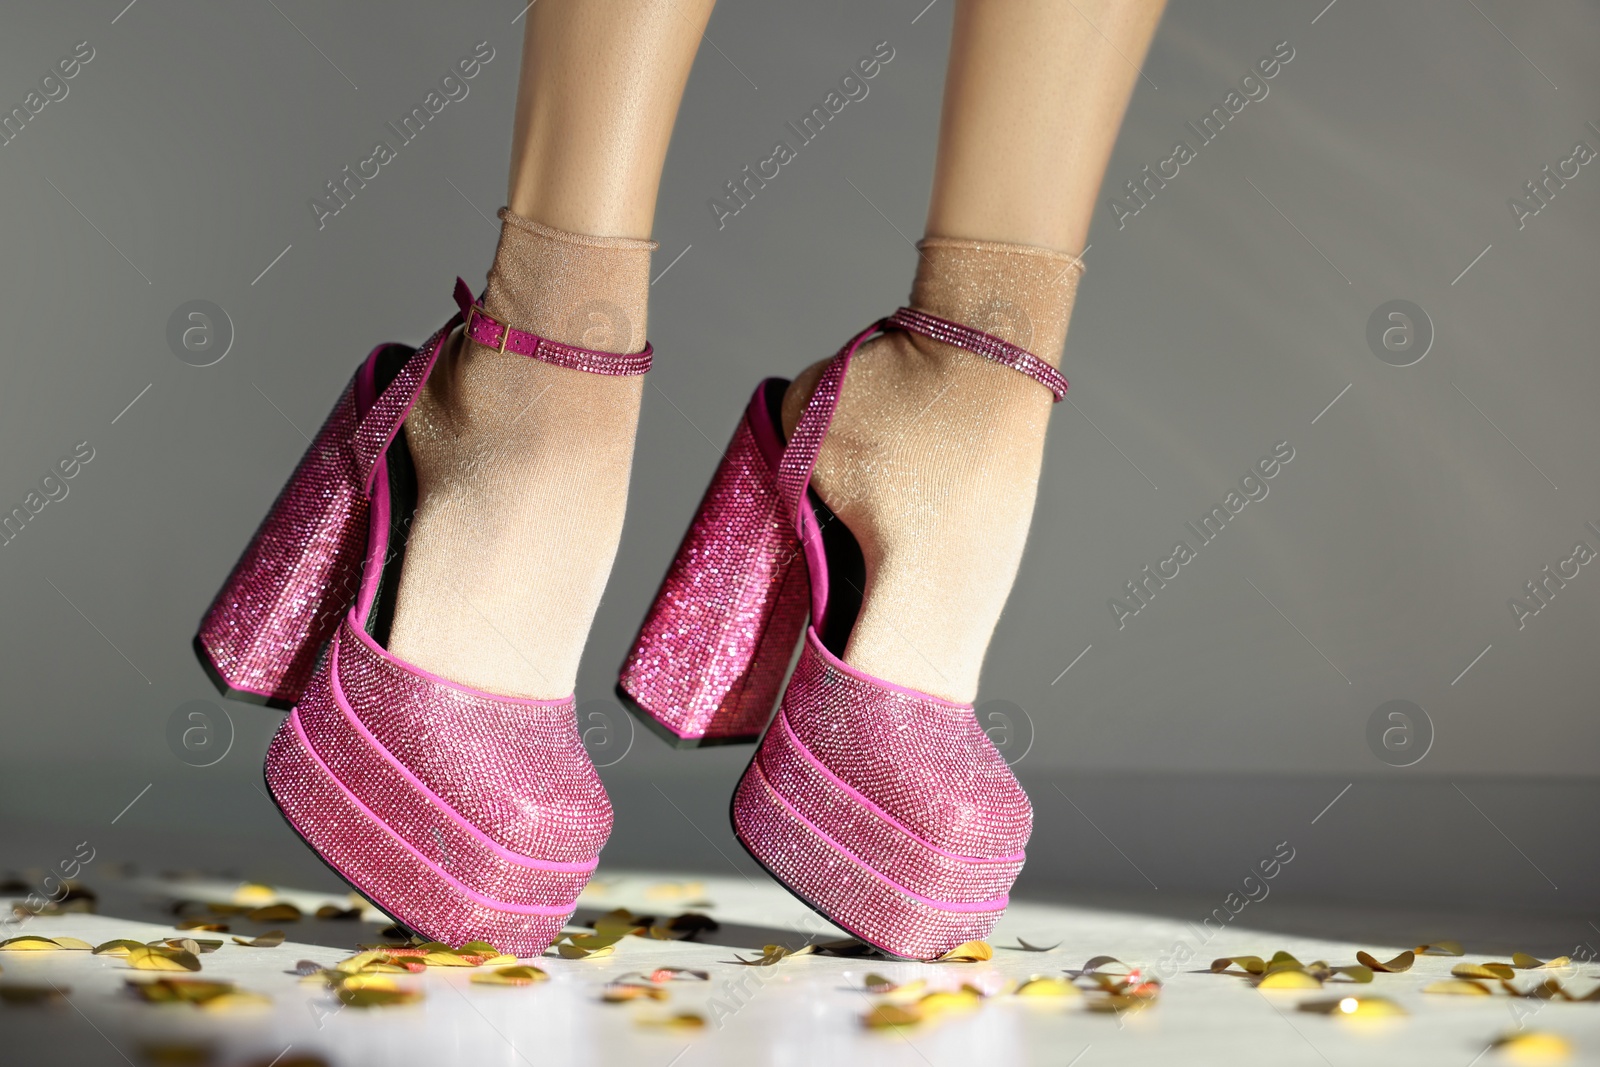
[[805, 443], [486, 330], [984, 344]]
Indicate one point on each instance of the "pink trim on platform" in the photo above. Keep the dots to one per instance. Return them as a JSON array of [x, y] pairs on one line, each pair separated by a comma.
[[806, 754], [433, 798], [470, 894], [997, 904]]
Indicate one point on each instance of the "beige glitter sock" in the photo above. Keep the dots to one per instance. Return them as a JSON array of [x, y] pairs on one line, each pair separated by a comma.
[[933, 461], [522, 470]]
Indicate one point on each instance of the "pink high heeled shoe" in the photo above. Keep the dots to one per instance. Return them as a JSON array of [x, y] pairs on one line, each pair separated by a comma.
[[885, 809], [462, 814]]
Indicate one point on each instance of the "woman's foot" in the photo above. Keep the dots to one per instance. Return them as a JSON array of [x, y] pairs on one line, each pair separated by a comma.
[[522, 471], [933, 458]]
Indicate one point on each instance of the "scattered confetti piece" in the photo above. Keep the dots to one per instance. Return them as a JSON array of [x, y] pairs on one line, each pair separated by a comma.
[[1398, 965], [885, 1015], [678, 974], [1044, 986], [772, 954], [152, 958], [1103, 963], [202, 924], [622, 992], [1533, 1046], [1457, 987], [1247, 964], [375, 991], [1358, 1007], [1286, 978], [1524, 962], [525, 974], [1025, 946], [684, 1020], [32, 943], [270, 939], [333, 911], [120, 947], [178, 990], [1440, 948], [1483, 970], [281, 912], [254, 893], [177, 1055], [968, 952], [33, 995]]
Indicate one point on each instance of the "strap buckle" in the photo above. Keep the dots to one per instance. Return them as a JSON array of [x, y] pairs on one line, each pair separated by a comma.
[[477, 309]]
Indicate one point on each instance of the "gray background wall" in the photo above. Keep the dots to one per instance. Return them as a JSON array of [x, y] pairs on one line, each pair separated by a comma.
[[1221, 319]]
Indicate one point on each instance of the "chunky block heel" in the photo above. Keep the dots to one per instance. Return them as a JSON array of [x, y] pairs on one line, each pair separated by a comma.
[[710, 659], [267, 627]]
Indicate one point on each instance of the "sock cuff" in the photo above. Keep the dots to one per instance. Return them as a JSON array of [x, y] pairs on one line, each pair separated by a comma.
[[522, 222], [1020, 293], [579, 289]]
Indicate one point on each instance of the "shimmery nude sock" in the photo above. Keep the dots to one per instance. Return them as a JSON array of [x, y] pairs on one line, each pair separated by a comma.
[[933, 461], [522, 470]]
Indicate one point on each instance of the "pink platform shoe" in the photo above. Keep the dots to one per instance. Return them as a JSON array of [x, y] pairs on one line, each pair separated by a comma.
[[886, 810], [462, 814]]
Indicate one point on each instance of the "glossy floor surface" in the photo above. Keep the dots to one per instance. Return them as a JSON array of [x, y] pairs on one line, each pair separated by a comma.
[[805, 1009]]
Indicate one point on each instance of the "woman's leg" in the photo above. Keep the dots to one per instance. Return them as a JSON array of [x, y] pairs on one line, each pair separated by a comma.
[[933, 458], [523, 466]]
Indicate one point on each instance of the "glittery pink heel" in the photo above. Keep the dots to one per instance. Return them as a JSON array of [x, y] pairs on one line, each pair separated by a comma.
[[710, 658], [260, 639], [462, 814], [885, 809]]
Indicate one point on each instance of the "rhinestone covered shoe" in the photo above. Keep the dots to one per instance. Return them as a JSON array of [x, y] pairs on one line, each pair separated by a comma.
[[887, 810], [462, 814]]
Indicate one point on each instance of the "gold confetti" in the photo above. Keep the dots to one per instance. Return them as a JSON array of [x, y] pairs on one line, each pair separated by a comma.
[[151, 958], [202, 924], [1246, 964], [1044, 986], [884, 1015], [1440, 948], [1457, 987], [478, 948], [968, 952], [1524, 962], [683, 1020], [254, 893], [74, 944], [1483, 970], [237, 1002], [270, 939], [525, 974], [198, 946], [281, 912], [1356, 1007], [31, 943], [1287, 978], [120, 947], [772, 954], [1398, 965], [1533, 1046], [333, 911], [179, 990], [621, 992], [33, 994], [678, 974], [947, 1002], [1097, 964], [375, 991], [177, 1055]]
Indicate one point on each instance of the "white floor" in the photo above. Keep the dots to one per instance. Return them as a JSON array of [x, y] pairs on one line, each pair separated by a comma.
[[803, 1010]]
